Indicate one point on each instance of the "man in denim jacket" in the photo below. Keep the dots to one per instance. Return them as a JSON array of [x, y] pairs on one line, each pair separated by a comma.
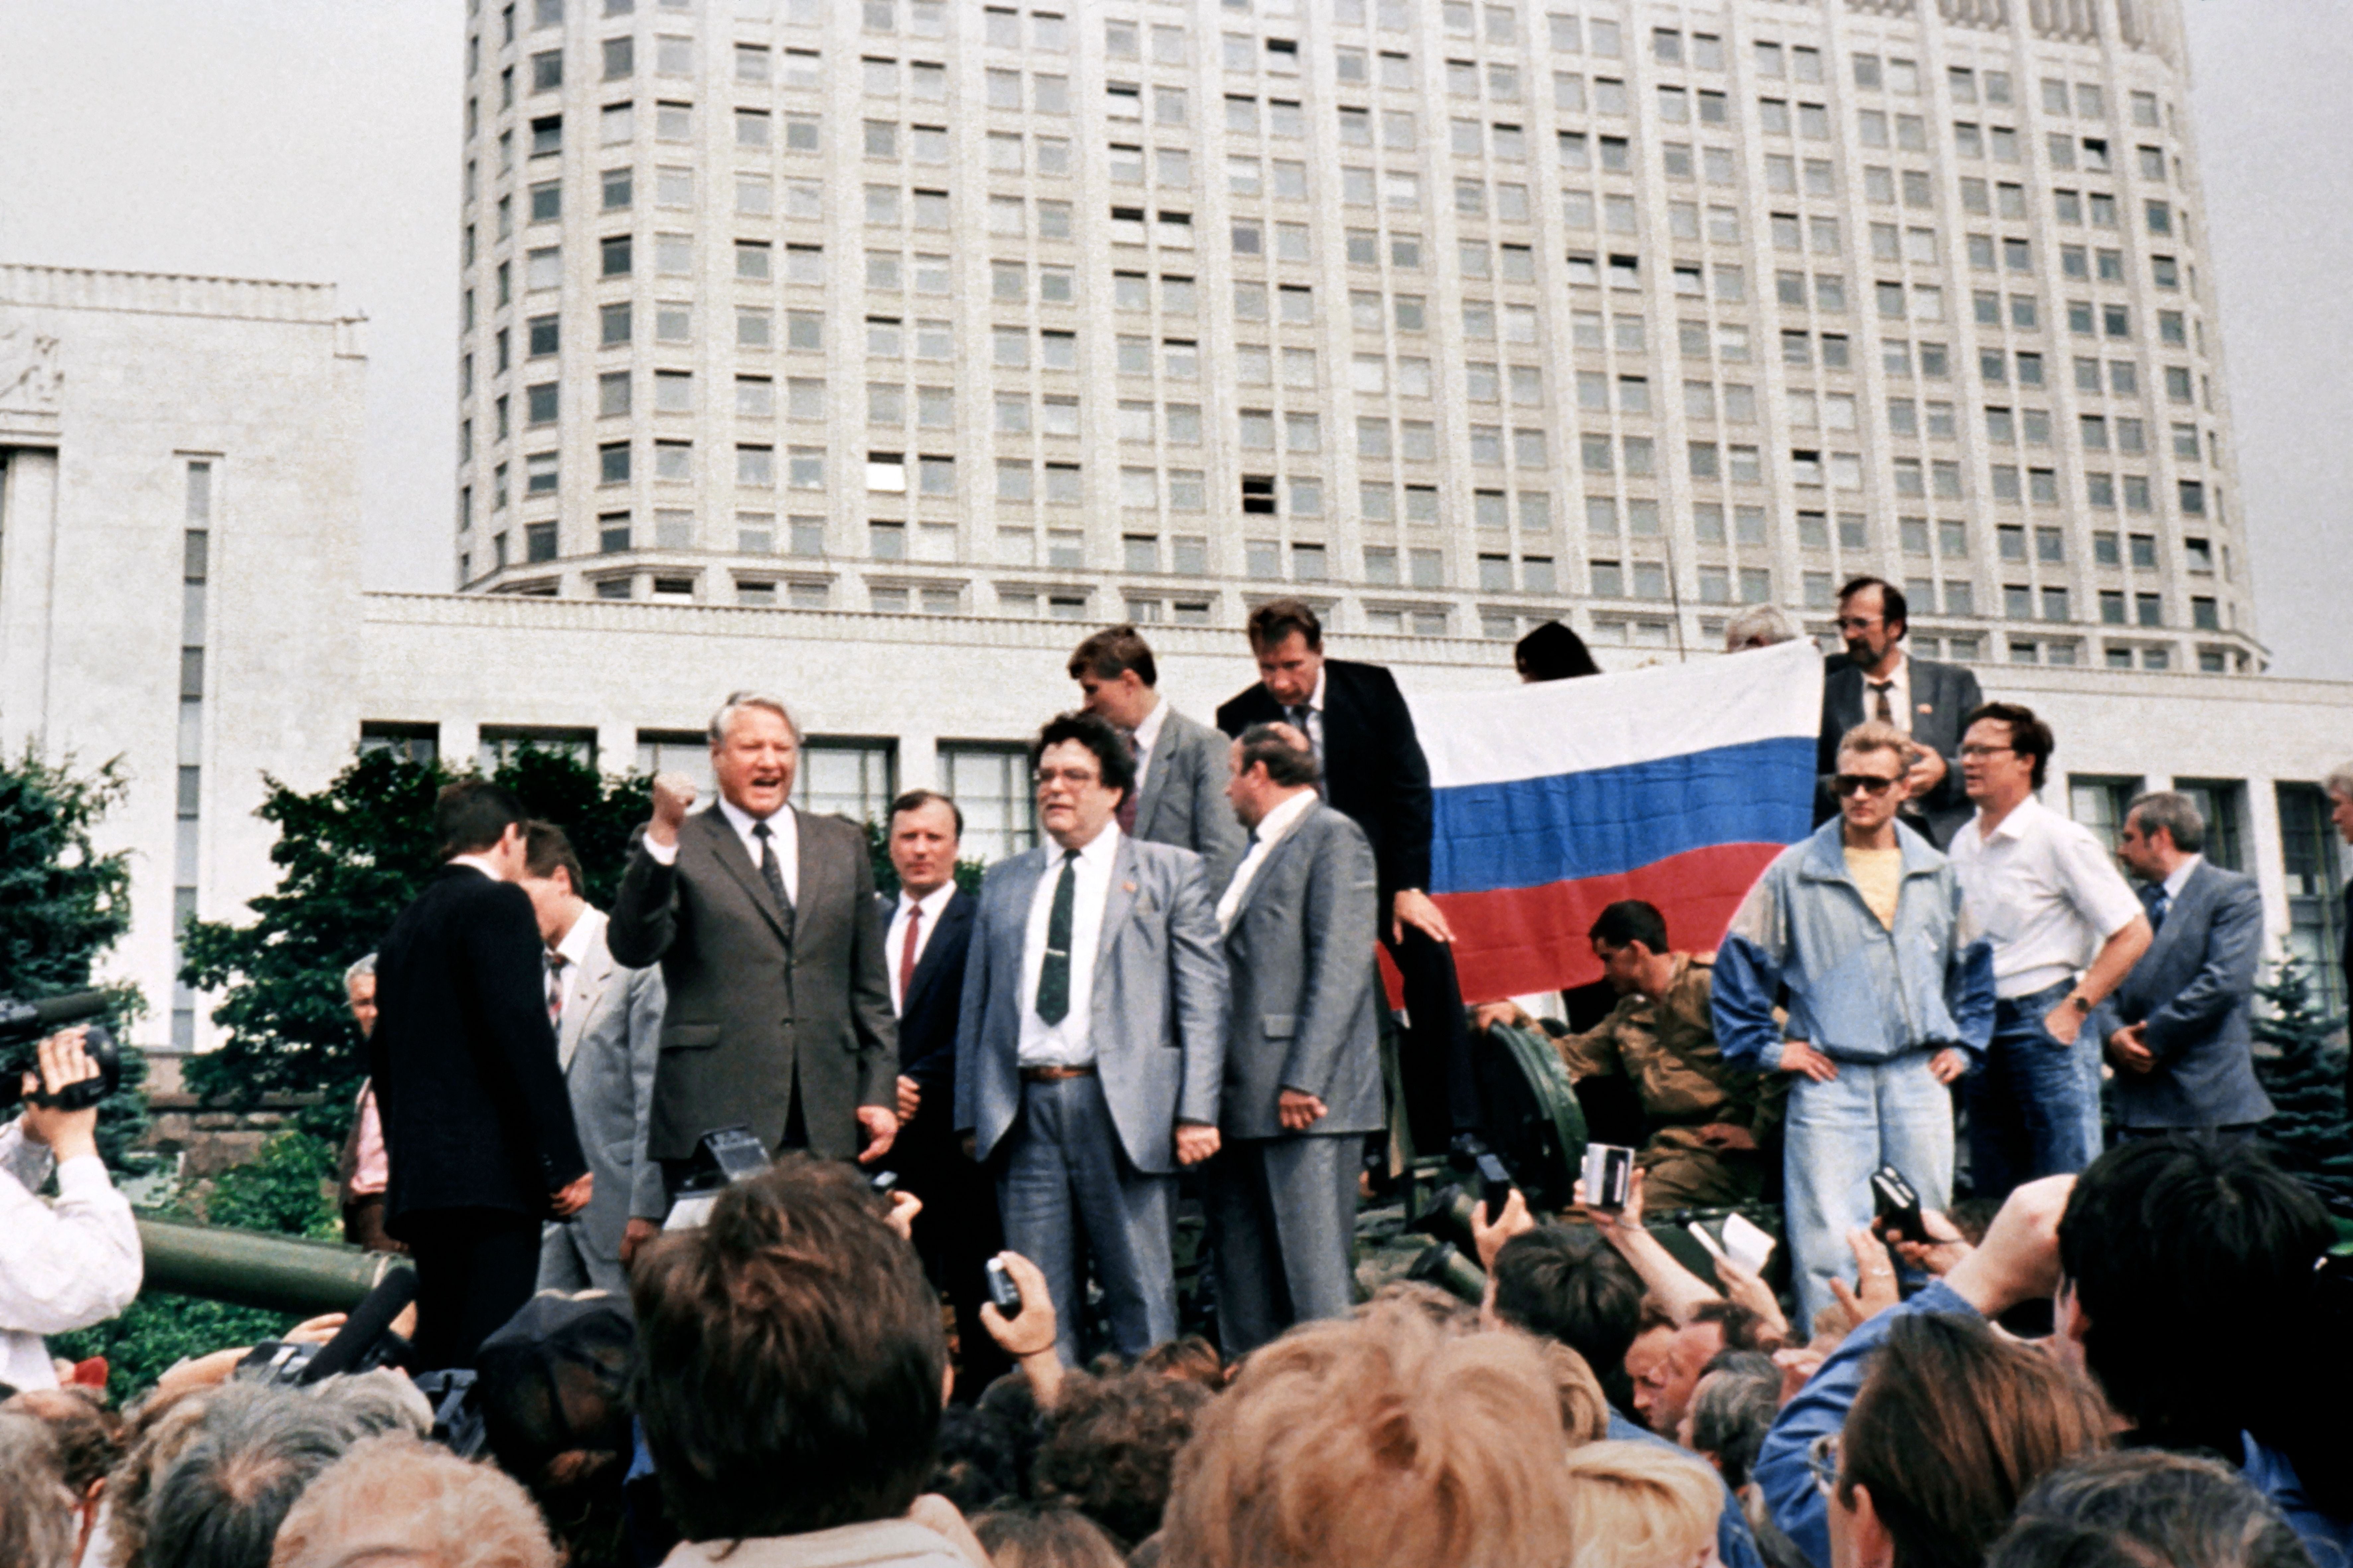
[[1891, 999]]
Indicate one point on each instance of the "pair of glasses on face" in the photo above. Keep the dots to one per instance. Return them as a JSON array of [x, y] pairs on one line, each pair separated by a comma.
[[1074, 778], [1822, 1461], [1845, 784]]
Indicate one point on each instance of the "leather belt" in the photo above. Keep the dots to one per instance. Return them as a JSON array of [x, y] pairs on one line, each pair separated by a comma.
[[1056, 1074]]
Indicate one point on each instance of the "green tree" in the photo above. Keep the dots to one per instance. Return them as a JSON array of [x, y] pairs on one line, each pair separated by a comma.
[[2308, 1133], [63, 904]]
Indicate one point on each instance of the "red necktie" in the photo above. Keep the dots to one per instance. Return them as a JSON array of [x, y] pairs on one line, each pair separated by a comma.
[[555, 990], [907, 954]]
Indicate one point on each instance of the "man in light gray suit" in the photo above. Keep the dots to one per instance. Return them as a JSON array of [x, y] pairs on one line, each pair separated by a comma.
[[1180, 765], [2180, 1029], [1092, 1036], [608, 1038], [1303, 1083]]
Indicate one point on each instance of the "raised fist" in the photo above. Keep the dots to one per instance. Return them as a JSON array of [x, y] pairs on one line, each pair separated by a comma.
[[673, 798]]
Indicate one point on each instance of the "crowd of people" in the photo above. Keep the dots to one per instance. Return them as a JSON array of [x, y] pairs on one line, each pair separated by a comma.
[[932, 1316]]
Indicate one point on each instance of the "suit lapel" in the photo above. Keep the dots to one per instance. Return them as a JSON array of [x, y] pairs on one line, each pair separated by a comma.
[[1266, 868], [935, 950], [1119, 902], [822, 869], [588, 979], [1155, 775], [719, 836]]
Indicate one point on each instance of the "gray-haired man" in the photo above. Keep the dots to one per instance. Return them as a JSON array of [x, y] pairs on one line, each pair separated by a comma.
[[764, 923]]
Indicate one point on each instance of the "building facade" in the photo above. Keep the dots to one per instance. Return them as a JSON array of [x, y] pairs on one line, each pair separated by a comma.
[[1454, 317]]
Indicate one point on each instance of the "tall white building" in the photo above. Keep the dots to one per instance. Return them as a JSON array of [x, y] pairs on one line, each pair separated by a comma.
[[1453, 317]]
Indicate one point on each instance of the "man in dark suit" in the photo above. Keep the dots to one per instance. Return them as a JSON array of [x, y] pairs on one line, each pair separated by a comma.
[[763, 920], [957, 1232], [2180, 1031], [1180, 765], [1929, 702], [477, 1125], [1092, 1039], [1374, 773], [1302, 1080]]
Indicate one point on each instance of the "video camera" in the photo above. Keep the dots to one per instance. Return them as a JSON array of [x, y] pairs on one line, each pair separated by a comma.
[[21, 1022], [365, 1340]]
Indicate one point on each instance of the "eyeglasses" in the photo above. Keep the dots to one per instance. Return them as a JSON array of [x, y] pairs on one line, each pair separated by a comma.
[[1845, 784], [1980, 752], [1823, 1459], [1077, 778], [1858, 622]]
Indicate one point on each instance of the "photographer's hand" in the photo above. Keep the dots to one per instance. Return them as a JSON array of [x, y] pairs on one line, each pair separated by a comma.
[[69, 1134]]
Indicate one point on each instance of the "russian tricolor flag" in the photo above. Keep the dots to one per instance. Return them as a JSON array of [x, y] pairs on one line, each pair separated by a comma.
[[1677, 785]]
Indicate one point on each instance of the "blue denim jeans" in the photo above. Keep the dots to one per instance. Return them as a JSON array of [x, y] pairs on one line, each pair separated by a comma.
[[2034, 1107], [1873, 1114]]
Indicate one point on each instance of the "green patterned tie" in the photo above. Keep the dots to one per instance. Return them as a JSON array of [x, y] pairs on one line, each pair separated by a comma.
[[1054, 974]]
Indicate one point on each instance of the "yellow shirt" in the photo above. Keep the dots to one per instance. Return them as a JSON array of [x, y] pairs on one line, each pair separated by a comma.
[[1879, 875]]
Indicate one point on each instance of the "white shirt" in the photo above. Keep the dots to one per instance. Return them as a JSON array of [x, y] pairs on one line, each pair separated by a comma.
[[783, 836], [1899, 694], [1066, 1043], [2180, 876], [479, 862], [1270, 831], [894, 944], [1145, 736], [63, 1266], [2045, 890]]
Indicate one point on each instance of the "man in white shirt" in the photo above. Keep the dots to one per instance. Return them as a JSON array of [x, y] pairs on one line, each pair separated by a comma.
[[66, 1265], [2065, 929], [1092, 1040], [1180, 765]]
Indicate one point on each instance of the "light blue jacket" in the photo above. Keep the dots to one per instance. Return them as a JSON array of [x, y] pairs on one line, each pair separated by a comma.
[[1858, 991]]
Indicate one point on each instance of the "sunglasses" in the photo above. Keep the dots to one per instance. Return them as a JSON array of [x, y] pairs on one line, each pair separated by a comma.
[[1845, 784], [1823, 1459]]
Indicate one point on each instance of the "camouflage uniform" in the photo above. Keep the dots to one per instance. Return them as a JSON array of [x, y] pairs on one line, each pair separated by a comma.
[[1667, 1048]]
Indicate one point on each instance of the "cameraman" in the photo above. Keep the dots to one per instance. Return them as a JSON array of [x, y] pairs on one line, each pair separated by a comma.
[[65, 1265]]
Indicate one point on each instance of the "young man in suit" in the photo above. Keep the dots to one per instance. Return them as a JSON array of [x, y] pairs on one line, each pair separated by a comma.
[[1929, 703], [957, 1232], [1093, 1038], [1302, 1079], [608, 1040], [1180, 765], [1374, 774], [763, 920], [2180, 1031], [477, 1124]]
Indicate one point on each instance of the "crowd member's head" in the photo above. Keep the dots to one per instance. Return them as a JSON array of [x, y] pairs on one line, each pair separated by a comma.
[[1287, 639], [1551, 652], [359, 992], [926, 831], [1441, 1306], [2005, 753], [1083, 770], [2144, 1507], [756, 750], [1112, 1445], [552, 1384], [1378, 1438], [1584, 1408], [89, 1436], [2161, 830], [1953, 1424], [1873, 759], [2186, 1241], [1630, 938], [474, 816], [394, 1499], [981, 1459], [1568, 1284], [1116, 676], [1050, 1537], [160, 1429], [1872, 621], [1758, 626], [253, 1450], [1731, 1410], [1637, 1505], [790, 1360], [1266, 770], [553, 879], [1191, 1358], [2339, 785], [38, 1524], [1667, 1360]]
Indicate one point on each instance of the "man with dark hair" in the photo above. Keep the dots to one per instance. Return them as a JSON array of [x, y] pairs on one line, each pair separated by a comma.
[[608, 1040], [1303, 1068], [1705, 1119], [1180, 765], [477, 1123], [1927, 703], [1362, 733], [2065, 931], [1091, 1041], [2180, 1029], [790, 1377], [1551, 652]]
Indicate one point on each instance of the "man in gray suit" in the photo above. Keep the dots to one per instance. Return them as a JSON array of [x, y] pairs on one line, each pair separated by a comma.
[[608, 1038], [1931, 704], [1303, 1083], [764, 923], [2180, 1030], [1180, 765], [1093, 1034]]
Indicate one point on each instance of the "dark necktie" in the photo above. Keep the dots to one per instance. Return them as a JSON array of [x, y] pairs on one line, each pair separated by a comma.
[[1298, 716], [1883, 709], [555, 990], [774, 875], [2157, 900], [1054, 974]]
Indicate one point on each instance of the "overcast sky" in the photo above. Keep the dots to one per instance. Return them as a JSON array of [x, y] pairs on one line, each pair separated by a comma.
[[317, 140]]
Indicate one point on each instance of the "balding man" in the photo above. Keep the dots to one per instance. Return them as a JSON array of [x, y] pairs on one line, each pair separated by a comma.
[[764, 923]]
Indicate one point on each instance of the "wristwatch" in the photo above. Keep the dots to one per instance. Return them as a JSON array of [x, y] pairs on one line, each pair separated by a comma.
[[2081, 1003]]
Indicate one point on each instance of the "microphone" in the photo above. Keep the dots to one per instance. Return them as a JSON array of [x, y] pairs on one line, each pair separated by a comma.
[[31, 1020], [363, 1329]]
